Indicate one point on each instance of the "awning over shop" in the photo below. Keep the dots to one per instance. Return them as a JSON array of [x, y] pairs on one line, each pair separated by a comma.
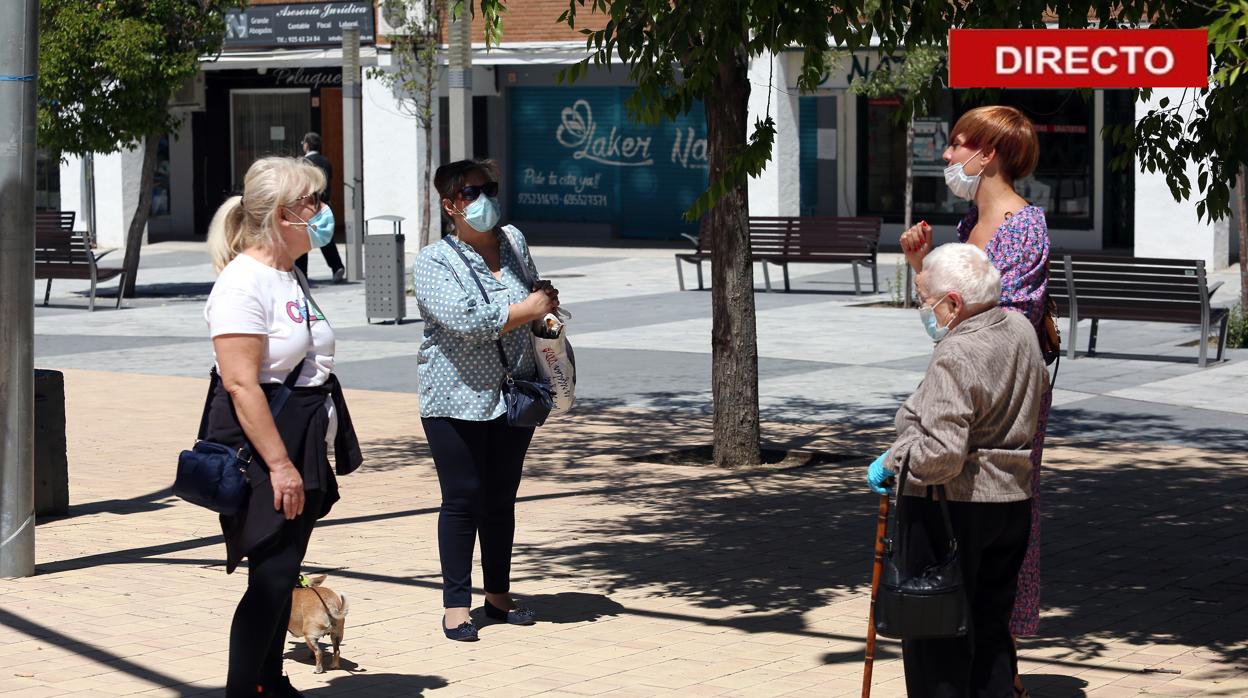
[[285, 58]]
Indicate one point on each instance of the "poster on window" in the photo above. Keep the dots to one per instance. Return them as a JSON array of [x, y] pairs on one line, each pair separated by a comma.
[[930, 138], [576, 156]]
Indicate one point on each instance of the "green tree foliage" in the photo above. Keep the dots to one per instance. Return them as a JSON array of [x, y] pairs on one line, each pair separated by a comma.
[[107, 69]]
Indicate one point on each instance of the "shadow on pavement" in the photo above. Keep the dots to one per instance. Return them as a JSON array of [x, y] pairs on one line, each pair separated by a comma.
[[152, 501], [89, 651], [1098, 430], [297, 651], [571, 607], [370, 684], [1054, 686], [1142, 547]]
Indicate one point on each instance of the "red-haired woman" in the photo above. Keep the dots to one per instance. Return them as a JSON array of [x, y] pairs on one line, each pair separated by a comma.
[[991, 148]]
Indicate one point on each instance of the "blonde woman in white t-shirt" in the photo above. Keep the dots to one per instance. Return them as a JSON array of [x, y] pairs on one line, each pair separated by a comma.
[[267, 331]]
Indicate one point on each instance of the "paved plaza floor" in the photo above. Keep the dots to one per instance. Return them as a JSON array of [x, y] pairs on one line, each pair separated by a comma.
[[650, 579]]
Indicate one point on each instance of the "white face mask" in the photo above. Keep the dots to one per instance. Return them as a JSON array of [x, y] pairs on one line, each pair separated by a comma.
[[960, 183]]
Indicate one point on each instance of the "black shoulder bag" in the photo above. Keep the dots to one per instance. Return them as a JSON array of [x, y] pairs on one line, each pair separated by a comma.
[[529, 402], [214, 475], [931, 604]]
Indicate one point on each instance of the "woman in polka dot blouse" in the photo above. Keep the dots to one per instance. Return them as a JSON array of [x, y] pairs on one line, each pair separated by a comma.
[[478, 455]]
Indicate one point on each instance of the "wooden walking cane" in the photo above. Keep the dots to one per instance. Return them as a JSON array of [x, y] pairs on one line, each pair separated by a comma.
[[881, 528]]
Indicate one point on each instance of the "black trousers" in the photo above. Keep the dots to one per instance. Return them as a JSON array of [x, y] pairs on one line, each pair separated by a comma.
[[259, 627], [479, 466], [992, 540], [330, 252]]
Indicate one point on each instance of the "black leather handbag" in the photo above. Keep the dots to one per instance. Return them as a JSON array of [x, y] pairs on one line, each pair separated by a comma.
[[931, 604], [528, 402], [214, 475]]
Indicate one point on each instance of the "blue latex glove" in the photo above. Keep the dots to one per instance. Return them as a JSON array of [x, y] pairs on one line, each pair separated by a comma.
[[878, 474]]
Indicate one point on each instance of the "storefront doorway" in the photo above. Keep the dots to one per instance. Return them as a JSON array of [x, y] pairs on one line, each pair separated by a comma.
[[253, 113], [266, 122]]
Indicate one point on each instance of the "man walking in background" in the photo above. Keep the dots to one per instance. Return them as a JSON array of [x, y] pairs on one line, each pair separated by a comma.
[[312, 152]]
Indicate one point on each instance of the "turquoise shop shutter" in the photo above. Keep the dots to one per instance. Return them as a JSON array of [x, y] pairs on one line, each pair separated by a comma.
[[808, 164], [576, 157]]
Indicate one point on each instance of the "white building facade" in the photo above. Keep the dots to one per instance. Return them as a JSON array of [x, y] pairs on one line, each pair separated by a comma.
[[577, 170]]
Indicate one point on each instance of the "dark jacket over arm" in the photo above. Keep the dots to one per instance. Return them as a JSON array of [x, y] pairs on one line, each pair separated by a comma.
[[303, 425]]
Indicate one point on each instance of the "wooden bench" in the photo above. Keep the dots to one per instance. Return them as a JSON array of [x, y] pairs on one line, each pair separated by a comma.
[[787, 239], [1098, 287], [61, 253]]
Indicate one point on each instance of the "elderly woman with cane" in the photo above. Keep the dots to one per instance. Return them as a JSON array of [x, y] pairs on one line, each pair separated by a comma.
[[990, 148], [963, 456]]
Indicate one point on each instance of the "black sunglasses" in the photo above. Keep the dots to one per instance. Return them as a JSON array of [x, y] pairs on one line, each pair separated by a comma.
[[471, 192]]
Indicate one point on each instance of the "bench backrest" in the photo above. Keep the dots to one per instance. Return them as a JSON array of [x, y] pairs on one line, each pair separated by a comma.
[[820, 236], [805, 236], [56, 242], [1129, 288]]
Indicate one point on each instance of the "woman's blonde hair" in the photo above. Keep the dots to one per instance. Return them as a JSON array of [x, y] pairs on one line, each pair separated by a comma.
[[250, 220]]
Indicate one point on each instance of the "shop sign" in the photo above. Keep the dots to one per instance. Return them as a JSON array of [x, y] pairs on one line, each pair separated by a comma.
[[302, 77], [1078, 58], [298, 24], [845, 68], [577, 156]]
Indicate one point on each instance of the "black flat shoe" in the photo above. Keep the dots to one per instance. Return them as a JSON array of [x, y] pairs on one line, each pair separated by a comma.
[[516, 616], [464, 632]]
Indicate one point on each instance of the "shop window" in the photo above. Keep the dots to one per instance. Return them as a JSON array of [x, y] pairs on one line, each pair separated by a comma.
[[161, 189], [480, 129], [1119, 208], [267, 122], [1062, 183], [47, 181]]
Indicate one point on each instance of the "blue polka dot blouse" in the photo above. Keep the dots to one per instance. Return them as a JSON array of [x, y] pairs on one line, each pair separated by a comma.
[[458, 369]]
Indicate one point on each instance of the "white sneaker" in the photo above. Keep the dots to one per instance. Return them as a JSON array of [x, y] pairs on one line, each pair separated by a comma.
[[340, 276]]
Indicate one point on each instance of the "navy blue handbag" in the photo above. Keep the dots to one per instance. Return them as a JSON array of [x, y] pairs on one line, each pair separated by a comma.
[[214, 475], [528, 402]]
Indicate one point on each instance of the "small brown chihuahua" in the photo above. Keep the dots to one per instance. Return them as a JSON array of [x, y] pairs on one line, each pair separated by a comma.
[[316, 611]]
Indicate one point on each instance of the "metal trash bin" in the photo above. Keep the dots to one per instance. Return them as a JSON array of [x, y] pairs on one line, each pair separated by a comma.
[[51, 463], [385, 290]]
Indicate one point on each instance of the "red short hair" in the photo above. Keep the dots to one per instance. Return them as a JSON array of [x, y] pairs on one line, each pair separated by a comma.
[[1007, 131]]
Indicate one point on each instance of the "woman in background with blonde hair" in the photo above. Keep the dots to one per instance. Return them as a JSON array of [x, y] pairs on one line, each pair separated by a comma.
[[273, 393]]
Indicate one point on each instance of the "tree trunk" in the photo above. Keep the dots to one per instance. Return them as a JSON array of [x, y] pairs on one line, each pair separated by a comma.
[[734, 337], [1243, 238], [134, 237]]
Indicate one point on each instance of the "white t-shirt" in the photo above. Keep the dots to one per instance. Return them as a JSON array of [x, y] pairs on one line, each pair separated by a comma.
[[250, 297]]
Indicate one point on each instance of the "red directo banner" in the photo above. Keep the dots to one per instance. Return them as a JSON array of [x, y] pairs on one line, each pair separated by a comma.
[[1072, 58]]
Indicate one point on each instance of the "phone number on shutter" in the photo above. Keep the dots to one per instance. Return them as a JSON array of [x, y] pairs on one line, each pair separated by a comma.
[[533, 198]]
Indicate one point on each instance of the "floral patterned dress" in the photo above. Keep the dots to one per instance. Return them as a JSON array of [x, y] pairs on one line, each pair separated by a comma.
[[1020, 251]]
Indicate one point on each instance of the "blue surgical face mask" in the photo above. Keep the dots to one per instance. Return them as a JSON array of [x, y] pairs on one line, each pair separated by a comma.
[[320, 227], [482, 214], [928, 314], [960, 183]]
